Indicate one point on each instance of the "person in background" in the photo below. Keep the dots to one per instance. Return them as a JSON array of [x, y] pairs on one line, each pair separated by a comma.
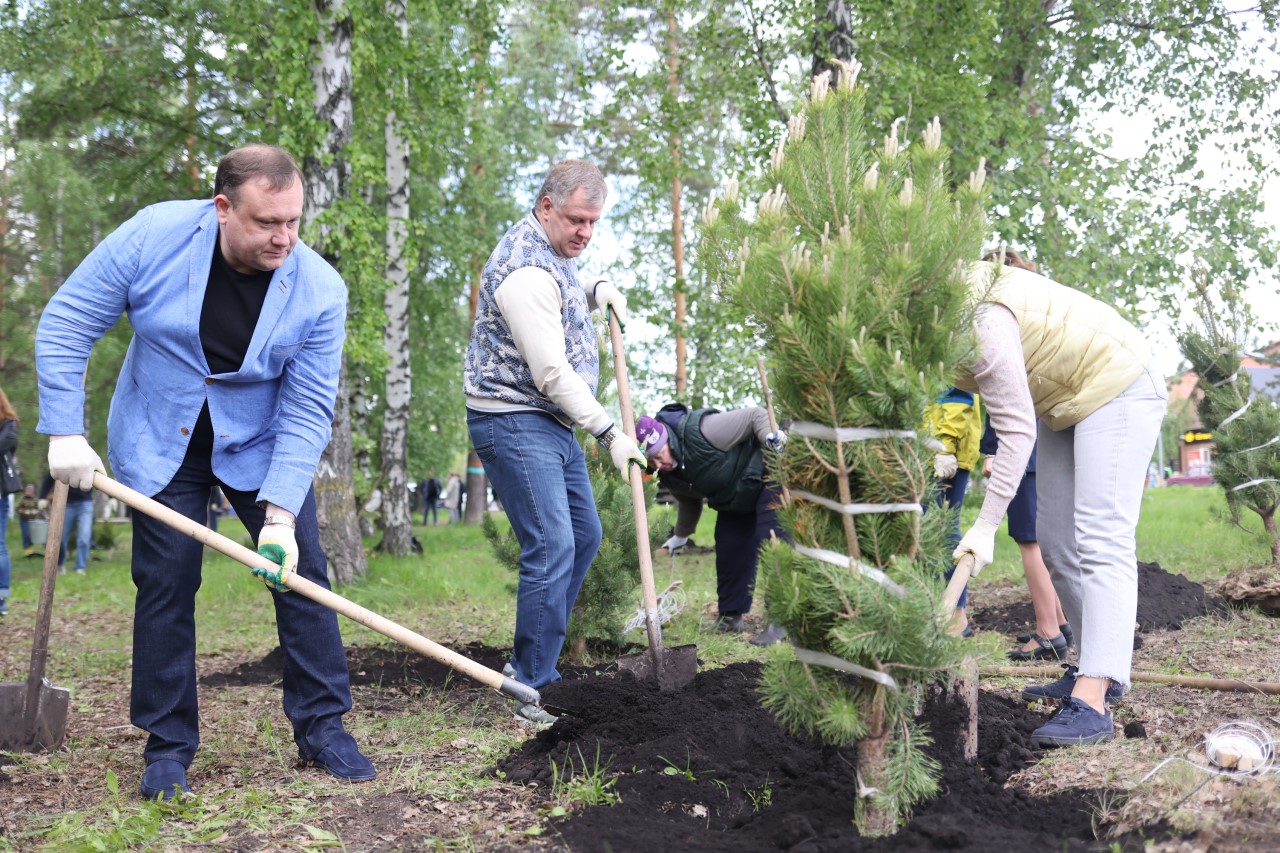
[[78, 518], [1053, 635], [955, 421], [718, 457], [532, 368], [229, 380], [430, 491], [9, 424], [217, 506], [29, 510], [1099, 402], [453, 497]]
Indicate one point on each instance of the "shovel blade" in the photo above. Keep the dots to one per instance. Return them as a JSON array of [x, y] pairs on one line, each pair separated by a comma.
[[45, 729], [679, 666]]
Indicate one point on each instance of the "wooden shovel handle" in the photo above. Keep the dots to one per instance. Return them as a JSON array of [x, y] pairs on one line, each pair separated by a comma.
[[955, 588], [44, 610], [310, 589], [653, 624]]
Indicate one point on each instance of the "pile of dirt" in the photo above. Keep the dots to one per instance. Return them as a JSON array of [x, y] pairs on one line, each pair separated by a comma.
[[1165, 601], [708, 769]]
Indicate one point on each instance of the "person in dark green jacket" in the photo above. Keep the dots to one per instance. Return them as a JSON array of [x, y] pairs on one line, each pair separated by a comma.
[[716, 456]]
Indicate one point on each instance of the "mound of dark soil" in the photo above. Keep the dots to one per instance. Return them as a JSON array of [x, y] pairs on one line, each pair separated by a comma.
[[1165, 601], [756, 787]]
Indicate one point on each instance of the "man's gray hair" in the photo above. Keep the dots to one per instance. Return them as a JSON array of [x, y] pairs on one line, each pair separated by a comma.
[[569, 175]]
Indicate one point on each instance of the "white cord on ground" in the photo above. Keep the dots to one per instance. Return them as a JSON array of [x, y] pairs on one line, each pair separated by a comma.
[[670, 603]]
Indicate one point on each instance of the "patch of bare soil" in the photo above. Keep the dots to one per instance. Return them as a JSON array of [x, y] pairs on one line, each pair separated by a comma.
[[708, 769], [1165, 601]]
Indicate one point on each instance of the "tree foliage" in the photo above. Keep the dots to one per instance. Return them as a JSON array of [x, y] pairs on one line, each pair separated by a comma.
[[1245, 421], [852, 268]]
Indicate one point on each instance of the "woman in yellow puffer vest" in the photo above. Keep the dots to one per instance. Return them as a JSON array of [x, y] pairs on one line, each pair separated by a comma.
[[1058, 366]]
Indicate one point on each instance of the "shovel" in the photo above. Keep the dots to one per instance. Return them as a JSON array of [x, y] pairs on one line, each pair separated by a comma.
[[333, 601], [671, 668], [33, 715]]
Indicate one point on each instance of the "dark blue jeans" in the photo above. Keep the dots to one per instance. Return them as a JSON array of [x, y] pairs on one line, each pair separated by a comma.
[[4, 547], [739, 536], [539, 473], [166, 571], [79, 518], [951, 496]]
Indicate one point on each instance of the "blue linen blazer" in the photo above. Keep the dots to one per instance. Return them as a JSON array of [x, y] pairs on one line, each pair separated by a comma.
[[271, 419]]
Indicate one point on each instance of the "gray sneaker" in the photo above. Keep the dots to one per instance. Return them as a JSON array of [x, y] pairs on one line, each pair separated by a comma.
[[533, 716]]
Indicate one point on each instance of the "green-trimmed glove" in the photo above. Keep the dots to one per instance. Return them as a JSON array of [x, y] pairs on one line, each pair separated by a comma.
[[610, 298], [276, 542]]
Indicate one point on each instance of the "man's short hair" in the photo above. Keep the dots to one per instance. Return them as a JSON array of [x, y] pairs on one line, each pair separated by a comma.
[[569, 175], [253, 162]]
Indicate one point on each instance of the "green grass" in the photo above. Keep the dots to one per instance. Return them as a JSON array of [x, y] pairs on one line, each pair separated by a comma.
[[455, 592], [1186, 529]]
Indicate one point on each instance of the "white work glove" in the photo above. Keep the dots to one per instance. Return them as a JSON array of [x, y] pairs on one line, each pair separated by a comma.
[[277, 543], [609, 298], [775, 441], [675, 543], [624, 451], [73, 461], [980, 541], [945, 466]]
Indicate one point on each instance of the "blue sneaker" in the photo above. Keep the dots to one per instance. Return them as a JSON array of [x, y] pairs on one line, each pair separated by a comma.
[[1060, 690], [1074, 724], [343, 760], [164, 779]]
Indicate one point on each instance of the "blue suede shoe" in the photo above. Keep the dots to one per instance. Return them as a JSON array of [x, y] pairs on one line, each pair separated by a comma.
[[343, 760], [164, 779], [1057, 691], [1074, 724]]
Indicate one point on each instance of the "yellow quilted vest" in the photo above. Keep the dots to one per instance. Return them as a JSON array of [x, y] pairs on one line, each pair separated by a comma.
[[1080, 353]]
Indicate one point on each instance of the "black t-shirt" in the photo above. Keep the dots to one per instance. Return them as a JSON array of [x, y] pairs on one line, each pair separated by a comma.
[[232, 304]]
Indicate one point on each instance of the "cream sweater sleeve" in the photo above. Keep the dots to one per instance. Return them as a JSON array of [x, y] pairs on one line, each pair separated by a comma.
[[529, 300], [1001, 373]]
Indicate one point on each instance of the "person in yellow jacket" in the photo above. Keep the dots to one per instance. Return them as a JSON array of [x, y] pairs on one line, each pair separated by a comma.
[[1052, 355], [955, 421]]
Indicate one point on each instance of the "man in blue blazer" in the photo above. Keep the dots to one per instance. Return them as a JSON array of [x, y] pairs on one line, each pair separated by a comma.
[[229, 381]]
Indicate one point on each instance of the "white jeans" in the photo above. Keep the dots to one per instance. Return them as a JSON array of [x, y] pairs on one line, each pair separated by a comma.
[[1090, 479]]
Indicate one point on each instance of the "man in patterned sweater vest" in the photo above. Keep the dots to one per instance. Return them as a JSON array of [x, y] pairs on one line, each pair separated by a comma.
[[530, 377]]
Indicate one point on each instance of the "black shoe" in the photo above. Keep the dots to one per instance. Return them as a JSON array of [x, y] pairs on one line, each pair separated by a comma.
[[769, 636], [729, 624], [1065, 628], [1054, 649], [164, 779], [342, 759], [1057, 691]]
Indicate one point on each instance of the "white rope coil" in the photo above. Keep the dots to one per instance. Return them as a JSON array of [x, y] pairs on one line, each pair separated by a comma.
[[1237, 748], [670, 602], [855, 509], [1240, 747]]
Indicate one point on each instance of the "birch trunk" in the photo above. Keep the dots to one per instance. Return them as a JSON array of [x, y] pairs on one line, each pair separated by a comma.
[[677, 216], [397, 525], [325, 174]]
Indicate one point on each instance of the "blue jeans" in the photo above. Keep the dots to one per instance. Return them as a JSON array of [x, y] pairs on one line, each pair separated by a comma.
[[951, 496], [4, 546], [539, 473], [80, 517], [166, 571]]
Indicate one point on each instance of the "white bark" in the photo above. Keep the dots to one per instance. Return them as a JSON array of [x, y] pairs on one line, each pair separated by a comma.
[[325, 176], [397, 531]]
